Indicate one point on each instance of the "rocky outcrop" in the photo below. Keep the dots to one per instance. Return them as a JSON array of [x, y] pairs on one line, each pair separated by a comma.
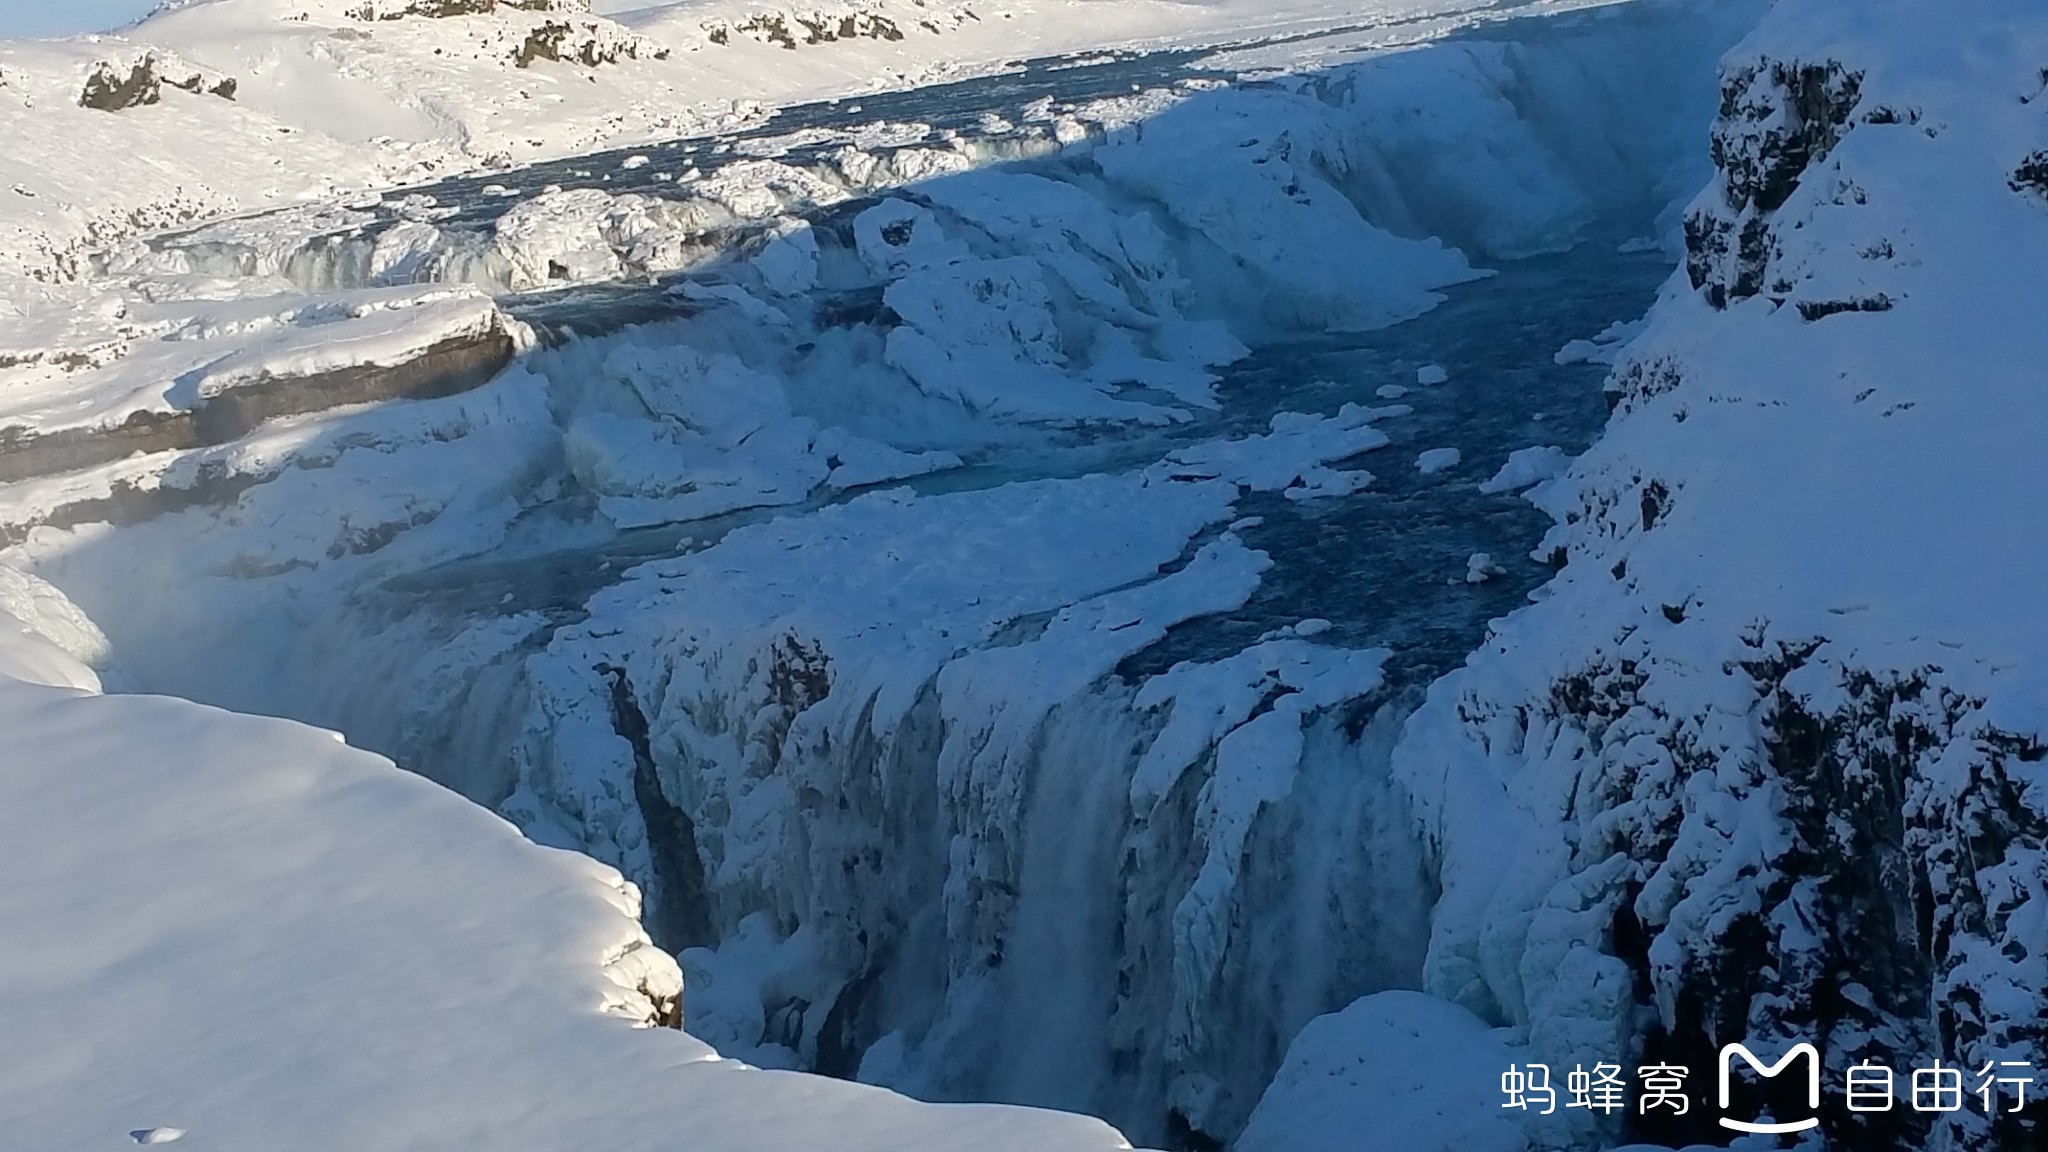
[[589, 43], [453, 365], [1778, 118], [441, 9], [1847, 875], [816, 28], [792, 29], [113, 87], [2032, 175]]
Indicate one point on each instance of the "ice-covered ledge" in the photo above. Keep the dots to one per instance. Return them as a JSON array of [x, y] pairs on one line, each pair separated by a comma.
[[247, 930]]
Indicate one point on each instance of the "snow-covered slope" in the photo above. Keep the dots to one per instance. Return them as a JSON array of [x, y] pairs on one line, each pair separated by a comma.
[[245, 930], [1766, 761]]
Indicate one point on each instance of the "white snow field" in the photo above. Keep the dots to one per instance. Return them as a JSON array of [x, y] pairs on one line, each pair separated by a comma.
[[893, 484]]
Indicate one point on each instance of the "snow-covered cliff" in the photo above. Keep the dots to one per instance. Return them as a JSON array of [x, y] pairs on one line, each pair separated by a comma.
[[242, 932], [1765, 761]]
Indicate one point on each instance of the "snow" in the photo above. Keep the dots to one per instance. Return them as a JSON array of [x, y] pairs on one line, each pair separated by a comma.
[[980, 332], [1415, 1071], [329, 103], [1604, 348], [1291, 459], [1527, 466], [1280, 219], [298, 944], [160, 353], [1431, 374], [1434, 460], [788, 262]]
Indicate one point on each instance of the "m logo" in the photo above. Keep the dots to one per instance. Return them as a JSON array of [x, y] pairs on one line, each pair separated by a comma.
[[1728, 1054]]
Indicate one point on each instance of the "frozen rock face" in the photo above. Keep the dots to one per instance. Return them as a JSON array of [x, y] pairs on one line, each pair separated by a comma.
[[1778, 119], [238, 363], [937, 840], [1766, 762]]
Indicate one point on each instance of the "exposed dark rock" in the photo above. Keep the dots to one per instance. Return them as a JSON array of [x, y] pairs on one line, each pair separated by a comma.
[[1886, 114], [771, 28], [439, 9], [668, 1008], [1777, 120], [363, 539], [678, 909], [109, 91], [2032, 175], [1811, 310], [454, 365], [822, 29], [584, 44], [1183, 1136], [1889, 928], [127, 503], [1656, 500], [225, 87], [1635, 381], [817, 27], [110, 88]]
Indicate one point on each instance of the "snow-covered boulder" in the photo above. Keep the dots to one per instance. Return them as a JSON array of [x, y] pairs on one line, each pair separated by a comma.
[[1414, 1071]]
